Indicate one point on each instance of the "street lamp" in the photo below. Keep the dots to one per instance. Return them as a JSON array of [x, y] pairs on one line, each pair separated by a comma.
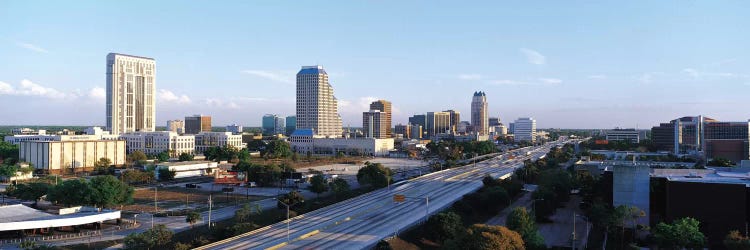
[[287, 219]]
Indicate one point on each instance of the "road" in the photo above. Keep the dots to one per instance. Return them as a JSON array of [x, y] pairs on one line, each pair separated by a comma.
[[361, 222]]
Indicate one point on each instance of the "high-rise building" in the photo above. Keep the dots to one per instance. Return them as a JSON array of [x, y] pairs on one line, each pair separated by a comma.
[[375, 124], [455, 120], [197, 123], [416, 131], [438, 123], [177, 126], [703, 136], [479, 115], [385, 107], [273, 124], [420, 120], [525, 130], [131, 93], [404, 130], [317, 107], [291, 124], [234, 129], [494, 121]]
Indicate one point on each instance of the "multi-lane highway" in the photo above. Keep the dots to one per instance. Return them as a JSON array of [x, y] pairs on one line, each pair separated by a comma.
[[361, 222]]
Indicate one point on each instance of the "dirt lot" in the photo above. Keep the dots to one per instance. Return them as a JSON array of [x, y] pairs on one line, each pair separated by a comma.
[[174, 198]]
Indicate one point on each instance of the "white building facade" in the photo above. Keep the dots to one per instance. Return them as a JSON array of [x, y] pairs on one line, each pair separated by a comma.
[[304, 141], [131, 89], [525, 130], [317, 107], [205, 140], [177, 126], [153, 143], [74, 154]]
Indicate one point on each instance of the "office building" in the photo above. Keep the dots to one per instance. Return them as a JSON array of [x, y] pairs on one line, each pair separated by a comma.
[[304, 141], [525, 130], [511, 128], [273, 124], [479, 113], [234, 129], [494, 121], [375, 124], [455, 120], [70, 153], [417, 131], [28, 131], [728, 140], [177, 126], [152, 143], [404, 130], [291, 124], [317, 107], [385, 107], [705, 137], [131, 93], [197, 123], [205, 140], [420, 120], [438, 123], [623, 134], [463, 127]]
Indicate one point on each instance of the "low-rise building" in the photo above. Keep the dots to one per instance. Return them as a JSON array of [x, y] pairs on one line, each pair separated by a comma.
[[161, 141], [189, 168], [234, 129], [72, 154], [623, 134], [205, 140], [304, 141]]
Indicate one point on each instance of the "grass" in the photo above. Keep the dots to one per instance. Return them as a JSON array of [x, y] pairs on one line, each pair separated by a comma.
[[177, 197]]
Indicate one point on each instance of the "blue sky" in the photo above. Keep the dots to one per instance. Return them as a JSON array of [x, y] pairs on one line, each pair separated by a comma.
[[568, 64]]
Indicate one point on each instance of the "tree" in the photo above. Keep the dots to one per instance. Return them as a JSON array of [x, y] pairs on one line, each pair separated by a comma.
[[163, 156], [165, 174], [245, 212], [243, 155], [444, 226], [137, 158], [736, 241], [522, 222], [186, 157], [154, 238], [8, 151], [292, 198], [102, 165], [30, 191], [8, 171], [182, 246], [682, 233], [74, 192], [720, 162], [318, 184], [277, 149], [192, 217], [480, 236], [383, 245], [339, 186], [241, 228], [108, 191], [374, 174]]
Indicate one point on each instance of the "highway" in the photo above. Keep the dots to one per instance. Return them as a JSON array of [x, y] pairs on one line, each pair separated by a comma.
[[360, 222]]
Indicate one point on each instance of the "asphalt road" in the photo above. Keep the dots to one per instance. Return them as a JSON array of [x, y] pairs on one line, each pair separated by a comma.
[[361, 222]]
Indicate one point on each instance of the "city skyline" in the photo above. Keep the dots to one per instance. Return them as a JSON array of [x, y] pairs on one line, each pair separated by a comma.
[[241, 64]]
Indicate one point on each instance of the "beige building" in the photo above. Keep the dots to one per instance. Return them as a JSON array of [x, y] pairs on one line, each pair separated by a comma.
[[375, 124], [438, 123], [161, 141], [387, 109], [76, 155], [317, 107], [177, 126], [197, 123], [205, 140], [304, 140], [131, 93]]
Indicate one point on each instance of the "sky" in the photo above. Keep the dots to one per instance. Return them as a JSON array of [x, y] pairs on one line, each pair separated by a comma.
[[568, 64]]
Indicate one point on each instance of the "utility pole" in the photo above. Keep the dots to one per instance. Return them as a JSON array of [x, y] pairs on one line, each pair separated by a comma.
[[573, 239], [210, 206]]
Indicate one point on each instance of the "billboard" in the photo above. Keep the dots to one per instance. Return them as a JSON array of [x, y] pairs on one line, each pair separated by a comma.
[[230, 177]]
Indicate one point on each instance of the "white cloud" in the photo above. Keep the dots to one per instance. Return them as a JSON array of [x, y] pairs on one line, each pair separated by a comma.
[[550, 80], [470, 77], [169, 96], [29, 88], [97, 93], [6, 89], [533, 56], [647, 77], [31, 47], [697, 74], [218, 103], [597, 77], [273, 76]]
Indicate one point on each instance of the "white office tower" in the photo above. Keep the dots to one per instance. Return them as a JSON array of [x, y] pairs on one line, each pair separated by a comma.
[[525, 130], [317, 108], [131, 87], [479, 116]]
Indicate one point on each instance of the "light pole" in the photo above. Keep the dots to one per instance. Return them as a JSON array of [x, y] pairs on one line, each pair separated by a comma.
[[135, 220], [210, 206], [287, 219]]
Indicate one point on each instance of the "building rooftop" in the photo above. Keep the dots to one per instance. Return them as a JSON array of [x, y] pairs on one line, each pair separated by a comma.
[[120, 54], [312, 70], [181, 163]]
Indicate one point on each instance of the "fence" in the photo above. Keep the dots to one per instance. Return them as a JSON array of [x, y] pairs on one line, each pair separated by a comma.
[[127, 224]]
